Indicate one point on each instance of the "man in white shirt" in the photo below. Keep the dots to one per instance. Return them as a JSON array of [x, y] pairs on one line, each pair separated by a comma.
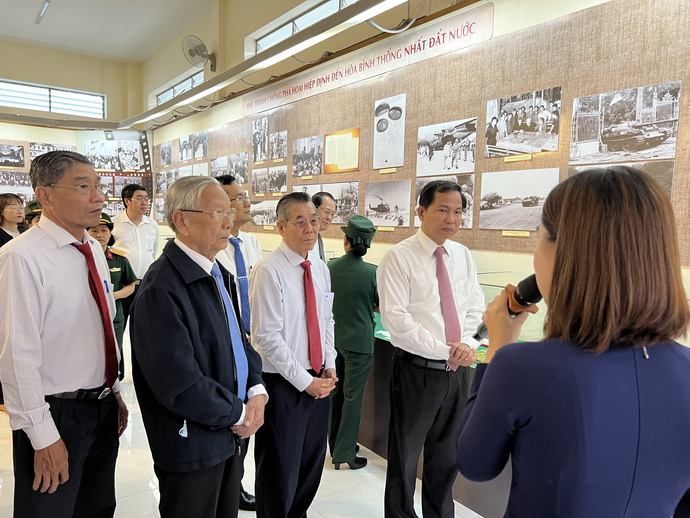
[[136, 235], [431, 304], [240, 256], [326, 207], [198, 379], [292, 328], [59, 358]]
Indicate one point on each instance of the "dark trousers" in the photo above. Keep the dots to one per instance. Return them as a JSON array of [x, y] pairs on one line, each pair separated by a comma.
[[89, 430], [683, 509], [346, 404], [119, 336], [290, 450], [426, 407], [203, 493]]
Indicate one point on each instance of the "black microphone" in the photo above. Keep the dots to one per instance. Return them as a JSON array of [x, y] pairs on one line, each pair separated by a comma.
[[526, 294]]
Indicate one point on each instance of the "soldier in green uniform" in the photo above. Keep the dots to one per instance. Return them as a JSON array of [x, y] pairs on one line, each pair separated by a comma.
[[354, 284], [32, 213], [122, 277]]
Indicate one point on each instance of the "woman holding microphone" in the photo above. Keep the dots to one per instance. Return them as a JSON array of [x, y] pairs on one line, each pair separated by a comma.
[[596, 417]]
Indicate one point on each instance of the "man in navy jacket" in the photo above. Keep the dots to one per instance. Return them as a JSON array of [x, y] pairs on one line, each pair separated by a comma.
[[198, 380]]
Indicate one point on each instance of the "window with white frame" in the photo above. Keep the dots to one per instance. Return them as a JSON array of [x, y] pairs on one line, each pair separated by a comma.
[[182, 86], [50, 99]]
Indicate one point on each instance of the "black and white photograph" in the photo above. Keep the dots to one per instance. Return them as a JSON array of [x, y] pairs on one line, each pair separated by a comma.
[[219, 166], [387, 204], [103, 154], [121, 181], [523, 124], [466, 182], [626, 126], [277, 178], [278, 145], [264, 212], [171, 177], [11, 155], [260, 181], [661, 170], [513, 200], [260, 139], [159, 213], [166, 153], [37, 149], [389, 132], [200, 142], [345, 194], [11, 179], [200, 169], [129, 155], [238, 166], [450, 147], [307, 156], [108, 182], [161, 184], [185, 145], [185, 171], [113, 208]]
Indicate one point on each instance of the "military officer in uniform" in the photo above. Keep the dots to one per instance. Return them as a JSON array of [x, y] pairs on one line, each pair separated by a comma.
[[122, 277], [32, 213], [353, 312]]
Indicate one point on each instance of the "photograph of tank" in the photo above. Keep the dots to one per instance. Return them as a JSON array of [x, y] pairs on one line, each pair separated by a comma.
[[387, 204], [513, 200], [466, 182], [345, 194], [626, 126], [661, 170], [523, 124], [264, 212], [389, 132], [449, 147]]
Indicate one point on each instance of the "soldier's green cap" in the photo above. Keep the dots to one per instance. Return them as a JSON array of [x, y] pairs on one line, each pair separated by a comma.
[[105, 220], [33, 208], [360, 229]]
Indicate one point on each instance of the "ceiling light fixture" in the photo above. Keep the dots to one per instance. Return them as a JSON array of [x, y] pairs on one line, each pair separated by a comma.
[[45, 7]]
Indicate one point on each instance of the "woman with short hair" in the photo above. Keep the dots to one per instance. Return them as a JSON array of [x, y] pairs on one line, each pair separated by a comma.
[[596, 417]]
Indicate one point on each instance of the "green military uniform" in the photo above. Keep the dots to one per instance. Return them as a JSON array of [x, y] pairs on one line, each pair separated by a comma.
[[32, 210], [354, 285]]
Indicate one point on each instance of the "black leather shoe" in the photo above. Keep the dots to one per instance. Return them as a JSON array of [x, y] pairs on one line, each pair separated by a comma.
[[247, 501], [358, 463]]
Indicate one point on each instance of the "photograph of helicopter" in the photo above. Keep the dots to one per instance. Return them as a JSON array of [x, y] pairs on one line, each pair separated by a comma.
[[449, 147], [387, 204]]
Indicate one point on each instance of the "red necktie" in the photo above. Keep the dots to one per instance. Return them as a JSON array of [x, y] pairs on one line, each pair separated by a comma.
[[450, 313], [98, 294], [315, 356]]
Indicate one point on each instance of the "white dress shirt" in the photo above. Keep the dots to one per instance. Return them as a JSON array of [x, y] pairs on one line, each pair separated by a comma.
[[410, 302], [279, 314], [251, 251], [139, 243], [207, 265], [51, 332]]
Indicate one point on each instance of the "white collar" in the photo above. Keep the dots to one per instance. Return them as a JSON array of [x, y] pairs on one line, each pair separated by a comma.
[[195, 256], [428, 245], [59, 235]]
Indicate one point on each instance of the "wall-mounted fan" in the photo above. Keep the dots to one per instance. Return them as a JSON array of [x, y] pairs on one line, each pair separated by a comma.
[[196, 52]]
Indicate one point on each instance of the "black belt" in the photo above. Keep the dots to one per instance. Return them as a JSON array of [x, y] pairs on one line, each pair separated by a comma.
[[434, 365], [81, 394]]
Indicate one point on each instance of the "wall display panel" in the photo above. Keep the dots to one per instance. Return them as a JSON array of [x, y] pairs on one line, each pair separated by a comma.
[[341, 154], [122, 151], [387, 204], [466, 182], [264, 212], [185, 148], [260, 181], [166, 153], [278, 145], [307, 156], [513, 200], [219, 166], [260, 139], [448, 147], [277, 178], [16, 156], [200, 143], [389, 135], [661, 170], [345, 194], [626, 125], [238, 166], [37, 149], [523, 124]]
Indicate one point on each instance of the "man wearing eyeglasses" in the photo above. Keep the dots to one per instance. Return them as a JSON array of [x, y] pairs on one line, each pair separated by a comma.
[[326, 206], [59, 357], [197, 378], [293, 330], [242, 253], [136, 235]]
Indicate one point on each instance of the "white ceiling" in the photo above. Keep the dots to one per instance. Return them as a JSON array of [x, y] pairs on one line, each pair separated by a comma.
[[120, 30]]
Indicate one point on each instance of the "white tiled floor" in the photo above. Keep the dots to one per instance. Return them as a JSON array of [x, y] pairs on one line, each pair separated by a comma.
[[342, 493]]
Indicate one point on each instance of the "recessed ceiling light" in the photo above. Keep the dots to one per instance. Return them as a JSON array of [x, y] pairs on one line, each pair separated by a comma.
[[39, 19]]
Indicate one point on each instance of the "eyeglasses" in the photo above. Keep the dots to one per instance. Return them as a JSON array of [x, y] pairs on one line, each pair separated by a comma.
[[84, 189], [242, 199], [301, 223], [218, 215], [140, 199]]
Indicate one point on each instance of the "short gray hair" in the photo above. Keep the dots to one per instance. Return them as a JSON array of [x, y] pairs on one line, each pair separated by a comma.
[[48, 168], [185, 194], [284, 204]]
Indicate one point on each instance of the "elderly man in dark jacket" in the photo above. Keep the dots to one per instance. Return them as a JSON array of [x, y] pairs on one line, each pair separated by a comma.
[[197, 378]]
